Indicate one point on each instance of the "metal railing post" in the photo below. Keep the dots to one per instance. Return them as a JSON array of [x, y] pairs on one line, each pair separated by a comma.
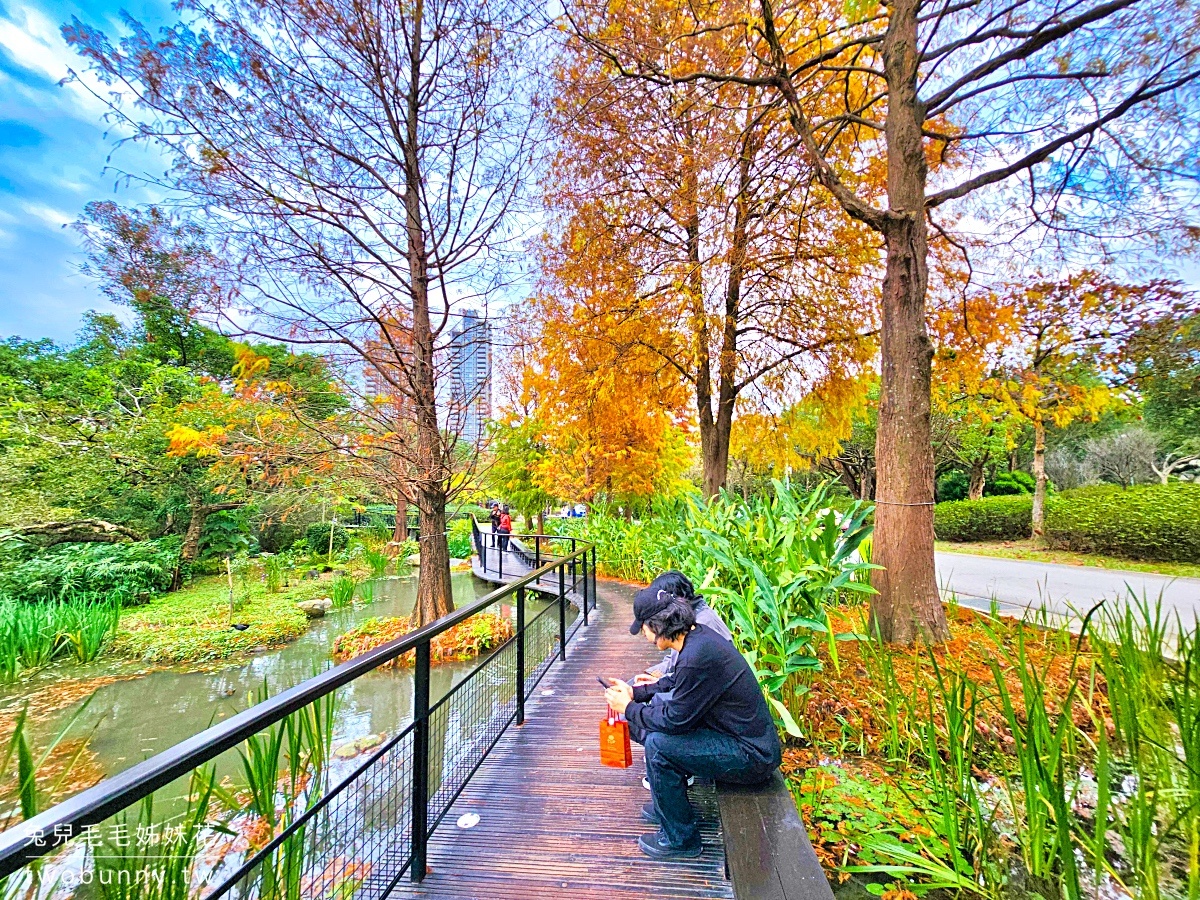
[[520, 656], [595, 586], [420, 783], [562, 611], [574, 571], [585, 588], [500, 564]]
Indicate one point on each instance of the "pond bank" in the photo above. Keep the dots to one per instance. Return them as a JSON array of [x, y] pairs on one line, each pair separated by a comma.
[[138, 710]]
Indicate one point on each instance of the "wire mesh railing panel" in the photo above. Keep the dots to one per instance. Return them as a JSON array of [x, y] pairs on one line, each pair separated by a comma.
[[354, 840], [541, 645], [465, 725]]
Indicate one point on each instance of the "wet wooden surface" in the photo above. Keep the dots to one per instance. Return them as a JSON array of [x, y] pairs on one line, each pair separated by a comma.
[[553, 822]]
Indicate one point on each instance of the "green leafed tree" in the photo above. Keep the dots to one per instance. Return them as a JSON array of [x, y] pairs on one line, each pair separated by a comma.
[[518, 451]]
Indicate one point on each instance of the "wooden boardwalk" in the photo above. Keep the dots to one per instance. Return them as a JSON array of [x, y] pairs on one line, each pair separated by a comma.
[[553, 822]]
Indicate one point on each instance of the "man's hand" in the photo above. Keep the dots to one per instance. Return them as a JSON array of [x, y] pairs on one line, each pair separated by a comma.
[[619, 696], [644, 678]]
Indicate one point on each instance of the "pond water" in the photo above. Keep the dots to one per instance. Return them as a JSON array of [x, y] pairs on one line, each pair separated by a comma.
[[132, 719]]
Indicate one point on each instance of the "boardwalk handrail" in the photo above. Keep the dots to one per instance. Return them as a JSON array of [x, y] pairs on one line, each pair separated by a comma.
[[428, 803]]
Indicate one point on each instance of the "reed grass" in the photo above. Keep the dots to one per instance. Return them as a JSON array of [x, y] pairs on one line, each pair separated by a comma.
[[377, 561], [32, 635], [341, 592], [135, 869]]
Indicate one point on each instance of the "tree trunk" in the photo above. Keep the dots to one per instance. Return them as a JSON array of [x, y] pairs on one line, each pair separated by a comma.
[[975, 485], [434, 598], [866, 485], [197, 516], [541, 521], [715, 465], [400, 529], [191, 537], [908, 607], [719, 431], [1039, 478]]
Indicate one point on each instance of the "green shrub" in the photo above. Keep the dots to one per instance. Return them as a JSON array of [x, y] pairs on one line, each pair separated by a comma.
[[953, 486], [276, 537], [1156, 522], [458, 539], [989, 519], [317, 535], [125, 573], [1009, 484]]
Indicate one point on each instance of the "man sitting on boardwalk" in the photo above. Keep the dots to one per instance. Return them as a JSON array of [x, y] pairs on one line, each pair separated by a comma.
[[715, 723]]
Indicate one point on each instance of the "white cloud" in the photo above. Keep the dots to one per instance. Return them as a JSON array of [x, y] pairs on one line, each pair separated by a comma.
[[32, 40], [55, 218]]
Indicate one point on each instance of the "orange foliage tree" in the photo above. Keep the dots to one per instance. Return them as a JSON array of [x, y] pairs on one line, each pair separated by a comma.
[[1066, 351], [694, 209], [612, 411], [250, 439], [1087, 104]]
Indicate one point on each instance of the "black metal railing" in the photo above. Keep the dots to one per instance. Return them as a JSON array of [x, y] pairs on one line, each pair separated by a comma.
[[359, 830], [493, 549]]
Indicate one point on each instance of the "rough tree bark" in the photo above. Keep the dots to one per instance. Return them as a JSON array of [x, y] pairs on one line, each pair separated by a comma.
[[400, 529], [908, 607], [198, 514], [977, 478]]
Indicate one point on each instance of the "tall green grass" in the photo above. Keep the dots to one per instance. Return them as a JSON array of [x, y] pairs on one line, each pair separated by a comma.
[[34, 634], [132, 869], [341, 592], [377, 561]]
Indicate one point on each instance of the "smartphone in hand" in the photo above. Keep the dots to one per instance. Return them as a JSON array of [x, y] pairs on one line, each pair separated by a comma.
[[604, 684]]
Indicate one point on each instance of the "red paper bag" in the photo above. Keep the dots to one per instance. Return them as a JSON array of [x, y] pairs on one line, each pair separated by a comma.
[[614, 741]]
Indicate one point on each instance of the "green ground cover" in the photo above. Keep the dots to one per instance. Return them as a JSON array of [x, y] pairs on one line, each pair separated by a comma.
[[1025, 550], [193, 623]]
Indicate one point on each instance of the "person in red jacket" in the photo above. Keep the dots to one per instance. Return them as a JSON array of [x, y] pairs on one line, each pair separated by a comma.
[[505, 528]]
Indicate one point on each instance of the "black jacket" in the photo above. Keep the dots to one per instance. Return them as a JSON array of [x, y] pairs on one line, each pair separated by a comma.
[[713, 687]]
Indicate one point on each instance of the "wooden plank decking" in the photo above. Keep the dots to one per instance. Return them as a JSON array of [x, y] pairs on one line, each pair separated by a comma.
[[553, 822]]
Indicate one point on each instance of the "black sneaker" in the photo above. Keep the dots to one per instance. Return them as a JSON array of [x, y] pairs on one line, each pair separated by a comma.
[[656, 846], [649, 815]]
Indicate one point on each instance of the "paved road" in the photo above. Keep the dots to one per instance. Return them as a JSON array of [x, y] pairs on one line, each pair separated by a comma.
[[1018, 585]]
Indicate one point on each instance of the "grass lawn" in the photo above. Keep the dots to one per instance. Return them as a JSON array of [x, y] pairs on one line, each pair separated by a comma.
[[1025, 550], [192, 624]]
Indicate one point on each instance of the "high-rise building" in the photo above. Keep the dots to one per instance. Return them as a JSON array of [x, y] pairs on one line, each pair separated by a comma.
[[471, 377], [388, 355]]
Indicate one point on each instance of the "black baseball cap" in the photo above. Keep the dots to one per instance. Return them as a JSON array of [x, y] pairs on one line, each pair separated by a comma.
[[649, 602]]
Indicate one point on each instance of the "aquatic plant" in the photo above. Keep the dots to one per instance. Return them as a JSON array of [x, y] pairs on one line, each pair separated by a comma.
[[274, 573], [34, 634], [479, 634], [341, 592], [377, 561], [149, 858]]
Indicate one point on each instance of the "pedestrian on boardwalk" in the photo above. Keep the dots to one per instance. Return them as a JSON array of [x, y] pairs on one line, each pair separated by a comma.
[[715, 725], [505, 528]]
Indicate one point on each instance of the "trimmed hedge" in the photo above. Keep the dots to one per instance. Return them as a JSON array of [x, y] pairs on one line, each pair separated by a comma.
[[990, 519], [1159, 522]]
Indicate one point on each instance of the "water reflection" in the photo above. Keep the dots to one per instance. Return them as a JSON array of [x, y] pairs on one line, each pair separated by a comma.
[[132, 719]]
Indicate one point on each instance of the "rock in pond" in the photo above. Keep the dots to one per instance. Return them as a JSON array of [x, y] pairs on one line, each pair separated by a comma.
[[314, 609], [354, 748]]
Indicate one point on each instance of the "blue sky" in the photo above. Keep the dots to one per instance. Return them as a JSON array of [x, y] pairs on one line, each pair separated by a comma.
[[53, 156]]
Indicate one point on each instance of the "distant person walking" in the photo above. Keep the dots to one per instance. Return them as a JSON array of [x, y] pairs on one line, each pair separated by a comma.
[[505, 528], [494, 518]]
